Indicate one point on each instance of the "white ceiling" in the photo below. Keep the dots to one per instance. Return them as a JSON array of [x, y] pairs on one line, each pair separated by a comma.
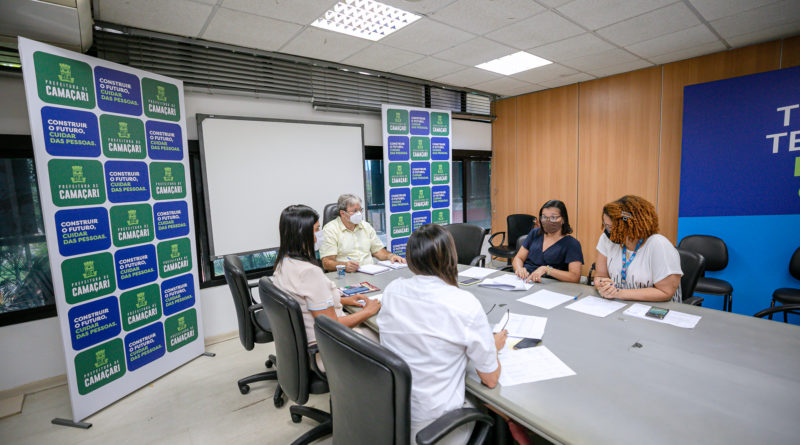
[[585, 39]]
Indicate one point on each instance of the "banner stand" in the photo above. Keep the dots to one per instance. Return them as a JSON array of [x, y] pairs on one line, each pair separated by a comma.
[[67, 422]]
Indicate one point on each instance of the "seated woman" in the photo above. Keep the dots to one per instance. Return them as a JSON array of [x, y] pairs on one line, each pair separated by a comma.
[[551, 250], [299, 274], [634, 262], [436, 327]]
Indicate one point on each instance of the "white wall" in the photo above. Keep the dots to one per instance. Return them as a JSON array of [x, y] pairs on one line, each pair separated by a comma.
[[33, 351]]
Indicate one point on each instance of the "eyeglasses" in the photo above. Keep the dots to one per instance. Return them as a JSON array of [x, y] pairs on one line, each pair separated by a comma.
[[349, 212], [551, 218]]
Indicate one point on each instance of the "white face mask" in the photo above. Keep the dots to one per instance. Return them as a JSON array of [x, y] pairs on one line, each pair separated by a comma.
[[319, 237], [356, 218]]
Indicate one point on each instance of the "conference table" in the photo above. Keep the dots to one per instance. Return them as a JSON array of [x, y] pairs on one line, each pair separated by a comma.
[[731, 379]]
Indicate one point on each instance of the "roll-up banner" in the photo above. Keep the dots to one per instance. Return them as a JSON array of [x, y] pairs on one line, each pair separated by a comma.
[[417, 155], [113, 171]]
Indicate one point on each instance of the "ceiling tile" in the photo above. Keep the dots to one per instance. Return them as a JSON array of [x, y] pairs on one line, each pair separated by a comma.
[[325, 45], [771, 33], [595, 14], [418, 7], [481, 16], [507, 86], [553, 3], [381, 57], [427, 37], [601, 60], [544, 73], [578, 46], [475, 51], [621, 68], [236, 28], [180, 17], [677, 41], [653, 24], [535, 31], [429, 68], [688, 53], [759, 19], [302, 12], [468, 77], [716, 9], [567, 80]]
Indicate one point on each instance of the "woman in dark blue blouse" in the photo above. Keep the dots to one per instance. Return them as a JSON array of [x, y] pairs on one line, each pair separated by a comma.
[[550, 250]]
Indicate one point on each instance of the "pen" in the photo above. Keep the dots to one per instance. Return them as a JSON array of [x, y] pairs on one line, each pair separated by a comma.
[[508, 317]]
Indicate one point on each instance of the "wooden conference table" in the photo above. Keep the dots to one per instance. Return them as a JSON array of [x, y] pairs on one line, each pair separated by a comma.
[[731, 379]]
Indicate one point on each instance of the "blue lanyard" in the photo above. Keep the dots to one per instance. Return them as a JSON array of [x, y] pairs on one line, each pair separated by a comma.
[[625, 261]]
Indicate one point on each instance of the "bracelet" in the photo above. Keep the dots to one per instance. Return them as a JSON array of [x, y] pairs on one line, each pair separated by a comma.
[[548, 270]]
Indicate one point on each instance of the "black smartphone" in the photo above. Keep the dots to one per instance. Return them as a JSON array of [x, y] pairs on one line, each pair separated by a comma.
[[657, 312], [466, 281], [527, 343]]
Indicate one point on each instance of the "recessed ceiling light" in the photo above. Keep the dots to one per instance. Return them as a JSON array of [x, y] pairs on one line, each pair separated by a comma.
[[367, 19], [514, 63]]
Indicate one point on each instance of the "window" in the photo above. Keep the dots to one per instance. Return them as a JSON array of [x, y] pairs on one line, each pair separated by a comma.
[[26, 286], [373, 172], [472, 173]]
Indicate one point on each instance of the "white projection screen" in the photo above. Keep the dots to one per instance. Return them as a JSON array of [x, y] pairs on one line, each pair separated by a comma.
[[254, 168]]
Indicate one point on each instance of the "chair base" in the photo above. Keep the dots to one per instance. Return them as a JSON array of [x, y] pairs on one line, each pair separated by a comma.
[[727, 303], [325, 428], [785, 313]]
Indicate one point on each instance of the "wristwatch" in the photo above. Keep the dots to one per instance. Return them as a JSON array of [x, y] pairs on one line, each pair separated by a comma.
[[548, 270]]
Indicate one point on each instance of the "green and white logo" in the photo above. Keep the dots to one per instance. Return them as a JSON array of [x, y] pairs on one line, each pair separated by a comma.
[[397, 121], [420, 148], [88, 277], [64, 81], [400, 224], [440, 124], [181, 329], [167, 180], [131, 224], [122, 137], [76, 182], [440, 216], [440, 173], [140, 306], [420, 198], [99, 366], [160, 100], [399, 174], [174, 257]]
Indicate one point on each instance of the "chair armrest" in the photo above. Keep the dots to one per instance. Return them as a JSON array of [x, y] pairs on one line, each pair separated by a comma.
[[313, 350], [694, 301], [480, 259], [452, 420], [508, 269], [502, 241], [255, 307], [252, 285]]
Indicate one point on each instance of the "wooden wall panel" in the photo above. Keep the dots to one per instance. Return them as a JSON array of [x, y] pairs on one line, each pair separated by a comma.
[[790, 52], [618, 151], [547, 149], [724, 65], [504, 163]]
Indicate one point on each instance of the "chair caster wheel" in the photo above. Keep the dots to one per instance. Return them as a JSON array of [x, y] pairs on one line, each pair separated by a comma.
[[268, 364], [296, 418], [279, 403], [244, 389]]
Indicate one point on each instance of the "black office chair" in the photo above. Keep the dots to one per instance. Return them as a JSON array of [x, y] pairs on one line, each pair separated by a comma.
[[365, 375], [298, 373], [788, 295], [692, 264], [715, 252], [518, 224], [330, 213], [790, 308], [469, 241], [254, 326], [520, 242]]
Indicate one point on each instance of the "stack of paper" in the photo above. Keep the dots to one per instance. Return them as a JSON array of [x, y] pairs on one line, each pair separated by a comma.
[[372, 269], [599, 307], [523, 326], [546, 299], [506, 282], [679, 319], [530, 365], [477, 272], [390, 264]]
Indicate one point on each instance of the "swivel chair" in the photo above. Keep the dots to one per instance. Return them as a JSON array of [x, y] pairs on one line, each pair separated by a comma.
[[715, 252], [469, 241], [518, 224], [787, 295]]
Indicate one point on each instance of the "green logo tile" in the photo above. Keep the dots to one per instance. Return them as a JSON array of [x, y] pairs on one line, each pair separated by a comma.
[[399, 174], [99, 366], [160, 100], [88, 277], [181, 329], [440, 124], [64, 81], [420, 148], [400, 224], [397, 121], [167, 180], [441, 216], [420, 198], [131, 224], [122, 137], [440, 173], [140, 306], [76, 182], [174, 257]]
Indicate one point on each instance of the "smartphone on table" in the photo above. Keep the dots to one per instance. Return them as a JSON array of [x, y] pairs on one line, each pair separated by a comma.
[[657, 312], [527, 343], [466, 281]]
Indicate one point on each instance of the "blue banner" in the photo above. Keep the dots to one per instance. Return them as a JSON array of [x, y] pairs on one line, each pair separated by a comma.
[[117, 91], [177, 294], [172, 219], [127, 181], [94, 322], [70, 132], [136, 266], [82, 230], [144, 346]]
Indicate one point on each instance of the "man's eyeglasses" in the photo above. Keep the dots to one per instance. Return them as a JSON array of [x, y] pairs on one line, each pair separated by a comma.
[[551, 218], [350, 212]]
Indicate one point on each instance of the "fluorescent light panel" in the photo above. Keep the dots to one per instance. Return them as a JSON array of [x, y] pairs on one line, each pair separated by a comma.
[[514, 63], [367, 19]]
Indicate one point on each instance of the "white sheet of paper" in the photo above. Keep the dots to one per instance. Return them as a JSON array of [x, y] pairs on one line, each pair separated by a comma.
[[599, 307], [530, 365], [372, 269], [477, 272], [679, 319], [390, 264], [375, 297], [545, 299], [519, 325], [506, 282]]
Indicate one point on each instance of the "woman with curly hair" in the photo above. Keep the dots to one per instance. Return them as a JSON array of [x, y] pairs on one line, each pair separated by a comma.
[[634, 262]]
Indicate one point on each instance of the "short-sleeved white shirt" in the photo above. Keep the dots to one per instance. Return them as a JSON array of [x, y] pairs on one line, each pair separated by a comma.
[[358, 245], [435, 328], [655, 260]]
